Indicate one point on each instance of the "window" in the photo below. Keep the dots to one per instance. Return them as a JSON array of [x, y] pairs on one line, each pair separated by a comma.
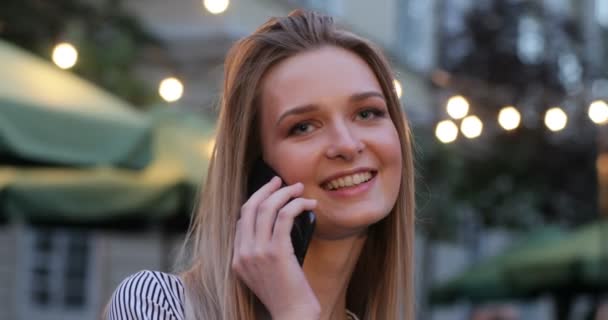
[[59, 268], [56, 274]]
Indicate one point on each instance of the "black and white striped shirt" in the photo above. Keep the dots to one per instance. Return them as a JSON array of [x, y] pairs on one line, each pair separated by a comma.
[[153, 295], [149, 295]]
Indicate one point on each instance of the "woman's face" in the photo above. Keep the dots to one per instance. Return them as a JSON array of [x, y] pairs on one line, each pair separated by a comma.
[[325, 123]]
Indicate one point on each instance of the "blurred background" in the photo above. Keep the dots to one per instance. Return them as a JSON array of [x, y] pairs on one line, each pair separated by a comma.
[[107, 115]]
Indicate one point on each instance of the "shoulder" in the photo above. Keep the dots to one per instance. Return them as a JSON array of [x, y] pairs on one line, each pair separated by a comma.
[[148, 295]]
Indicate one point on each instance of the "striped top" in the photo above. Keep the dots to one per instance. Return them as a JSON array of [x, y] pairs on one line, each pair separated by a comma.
[[153, 295], [149, 295]]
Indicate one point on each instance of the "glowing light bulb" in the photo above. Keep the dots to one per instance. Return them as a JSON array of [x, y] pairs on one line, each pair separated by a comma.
[[446, 131], [216, 6], [509, 118], [556, 119], [598, 112], [398, 88], [457, 107], [65, 55], [471, 127], [171, 89]]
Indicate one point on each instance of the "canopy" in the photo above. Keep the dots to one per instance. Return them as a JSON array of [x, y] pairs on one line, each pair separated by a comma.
[[50, 116], [103, 194], [547, 262], [577, 262], [485, 280]]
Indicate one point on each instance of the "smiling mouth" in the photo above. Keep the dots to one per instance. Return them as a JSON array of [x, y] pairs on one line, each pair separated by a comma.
[[349, 181]]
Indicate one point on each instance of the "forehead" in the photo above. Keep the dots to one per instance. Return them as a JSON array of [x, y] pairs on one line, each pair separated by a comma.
[[316, 76]]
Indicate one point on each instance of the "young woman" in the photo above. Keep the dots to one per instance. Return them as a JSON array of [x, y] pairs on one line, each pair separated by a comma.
[[317, 104]]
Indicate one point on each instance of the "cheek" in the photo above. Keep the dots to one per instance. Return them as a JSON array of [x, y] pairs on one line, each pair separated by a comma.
[[389, 155], [295, 163], [388, 148]]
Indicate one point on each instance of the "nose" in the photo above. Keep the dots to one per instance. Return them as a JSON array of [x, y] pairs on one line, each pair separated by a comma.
[[344, 143]]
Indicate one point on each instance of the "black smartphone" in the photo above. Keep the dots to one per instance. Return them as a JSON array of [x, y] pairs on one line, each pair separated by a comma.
[[304, 223]]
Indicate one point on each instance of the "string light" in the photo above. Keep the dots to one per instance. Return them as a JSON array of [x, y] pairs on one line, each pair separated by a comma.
[[171, 89], [65, 55], [457, 107], [471, 127], [216, 6], [598, 112], [556, 119], [398, 88], [446, 131], [509, 118]]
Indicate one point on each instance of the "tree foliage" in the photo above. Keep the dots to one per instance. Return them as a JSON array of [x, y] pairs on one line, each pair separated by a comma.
[[109, 40], [517, 179]]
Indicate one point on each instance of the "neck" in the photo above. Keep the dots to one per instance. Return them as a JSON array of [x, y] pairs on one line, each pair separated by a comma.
[[328, 266]]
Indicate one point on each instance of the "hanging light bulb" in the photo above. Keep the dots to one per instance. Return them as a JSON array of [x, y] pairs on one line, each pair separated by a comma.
[[556, 119], [598, 112], [446, 131], [509, 118], [457, 107], [65, 55], [171, 89], [471, 127]]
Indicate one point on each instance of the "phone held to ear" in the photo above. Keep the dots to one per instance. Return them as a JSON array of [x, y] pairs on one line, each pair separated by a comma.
[[304, 223]]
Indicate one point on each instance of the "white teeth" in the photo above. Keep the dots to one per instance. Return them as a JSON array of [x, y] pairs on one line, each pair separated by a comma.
[[349, 181]]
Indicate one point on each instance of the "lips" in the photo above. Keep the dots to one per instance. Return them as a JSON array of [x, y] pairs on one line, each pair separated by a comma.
[[348, 180]]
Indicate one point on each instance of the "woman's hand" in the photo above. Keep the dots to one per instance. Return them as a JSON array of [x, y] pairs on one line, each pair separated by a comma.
[[263, 254]]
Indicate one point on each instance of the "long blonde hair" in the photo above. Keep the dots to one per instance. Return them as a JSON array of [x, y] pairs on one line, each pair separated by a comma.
[[383, 286]]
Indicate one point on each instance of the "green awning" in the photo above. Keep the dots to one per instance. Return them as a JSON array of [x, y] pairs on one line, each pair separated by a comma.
[[166, 187], [577, 262], [549, 261], [486, 281], [50, 116]]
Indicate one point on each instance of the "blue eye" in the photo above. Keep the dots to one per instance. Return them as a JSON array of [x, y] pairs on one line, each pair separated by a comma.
[[300, 128], [371, 113]]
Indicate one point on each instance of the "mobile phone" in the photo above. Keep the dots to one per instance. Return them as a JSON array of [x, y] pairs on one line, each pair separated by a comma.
[[304, 223]]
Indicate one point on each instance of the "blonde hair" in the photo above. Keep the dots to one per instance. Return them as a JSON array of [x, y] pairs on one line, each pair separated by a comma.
[[384, 273]]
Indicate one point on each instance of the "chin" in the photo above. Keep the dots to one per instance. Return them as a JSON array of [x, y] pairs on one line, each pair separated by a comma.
[[342, 224]]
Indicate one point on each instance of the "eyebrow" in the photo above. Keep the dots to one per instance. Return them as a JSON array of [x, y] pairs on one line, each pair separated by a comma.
[[313, 107]]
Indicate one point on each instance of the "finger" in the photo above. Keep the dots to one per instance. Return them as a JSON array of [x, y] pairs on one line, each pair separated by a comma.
[[264, 192], [285, 217], [267, 211], [237, 239], [250, 207]]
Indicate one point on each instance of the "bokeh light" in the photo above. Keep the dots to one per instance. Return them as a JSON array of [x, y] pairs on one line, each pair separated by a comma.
[[171, 89], [446, 131], [65, 55], [398, 87], [210, 146], [216, 6], [598, 112], [509, 118], [471, 127], [556, 119], [457, 107]]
